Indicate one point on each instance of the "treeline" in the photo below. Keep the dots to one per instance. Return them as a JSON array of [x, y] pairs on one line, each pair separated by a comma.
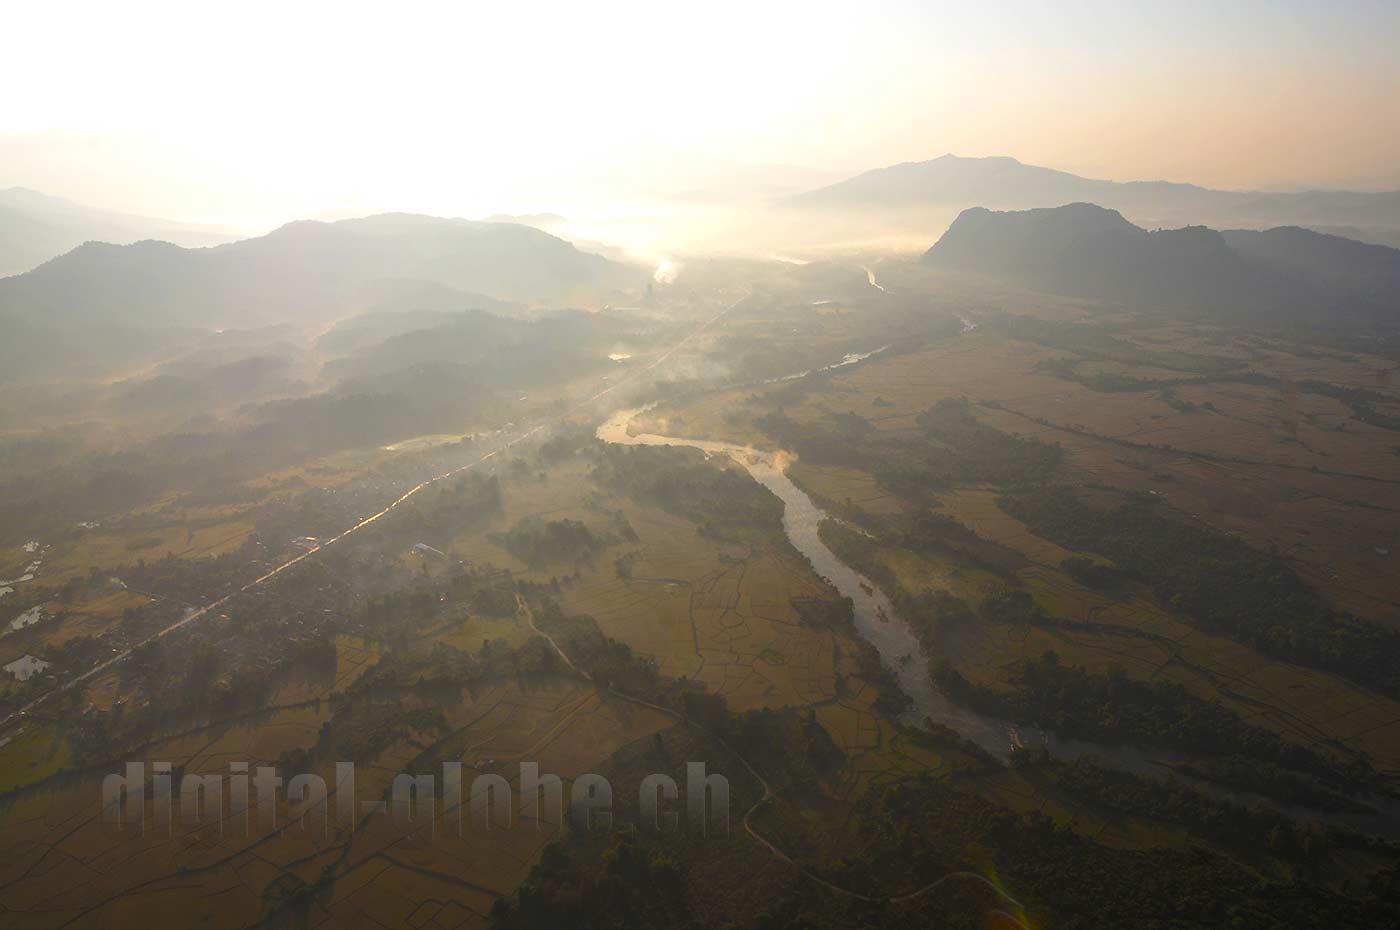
[[1093, 574], [610, 663], [838, 614], [613, 665], [1099, 343], [1273, 781], [924, 532], [404, 693], [46, 499], [1107, 708], [792, 748], [424, 600], [930, 611], [723, 502], [81, 483], [183, 686], [1362, 402], [951, 446], [1219, 582], [448, 669], [1253, 831], [446, 509], [922, 828], [630, 877], [194, 581], [566, 442], [1113, 708], [909, 832], [366, 414], [627, 883], [633, 878], [975, 452], [845, 439], [536, 542]]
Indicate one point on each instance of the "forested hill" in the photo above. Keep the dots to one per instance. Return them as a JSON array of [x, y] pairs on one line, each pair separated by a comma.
[[1084, 250], [100, 304]]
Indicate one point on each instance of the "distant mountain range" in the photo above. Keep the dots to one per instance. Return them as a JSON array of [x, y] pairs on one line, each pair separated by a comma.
[[101, 296], [1005, 183], [545, 221], [35, 227], [1285, 274]]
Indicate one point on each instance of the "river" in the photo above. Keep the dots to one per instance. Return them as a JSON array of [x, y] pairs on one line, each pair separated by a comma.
[[876, 619], [879, 623]]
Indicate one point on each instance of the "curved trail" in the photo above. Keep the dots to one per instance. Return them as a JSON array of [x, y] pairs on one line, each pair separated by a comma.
[[768, 795], [201, 612]]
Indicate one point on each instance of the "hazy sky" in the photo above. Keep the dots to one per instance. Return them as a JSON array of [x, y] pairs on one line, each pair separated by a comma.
[[252, 113]]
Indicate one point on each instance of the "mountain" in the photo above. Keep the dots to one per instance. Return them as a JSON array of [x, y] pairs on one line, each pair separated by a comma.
[[306, 273], [1005, 183], [369, 329], [545, 221], [494, 349], [1340, 263], [950, 180], [35, 227], [1084, 250]]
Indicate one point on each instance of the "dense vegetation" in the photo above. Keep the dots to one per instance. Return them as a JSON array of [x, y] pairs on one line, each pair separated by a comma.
[[910, 831], [610, 663], [539, 542], [1218, 581], [1254, 832], [1269, 780], [1363, 403], [1101, 342], [444, 510], [929, 611], [723, 502], [414, 605], [922, 826], [1093, 574], [57, 479], [950, 446], [1366, 405], [1113, 708]]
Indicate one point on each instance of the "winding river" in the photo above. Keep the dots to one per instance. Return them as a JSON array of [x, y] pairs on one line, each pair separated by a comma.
[[875, 617], [879, 623]]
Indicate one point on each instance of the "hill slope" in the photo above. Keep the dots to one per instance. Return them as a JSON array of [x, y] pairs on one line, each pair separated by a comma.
[[1370, 270], [306, 274], [35, 227], [1084, 250], [1000, 182]]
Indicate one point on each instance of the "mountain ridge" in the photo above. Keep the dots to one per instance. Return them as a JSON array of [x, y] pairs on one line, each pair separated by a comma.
[[1003, 182], [307, 273], [1287, 274], [328, 257], [36, 227]]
